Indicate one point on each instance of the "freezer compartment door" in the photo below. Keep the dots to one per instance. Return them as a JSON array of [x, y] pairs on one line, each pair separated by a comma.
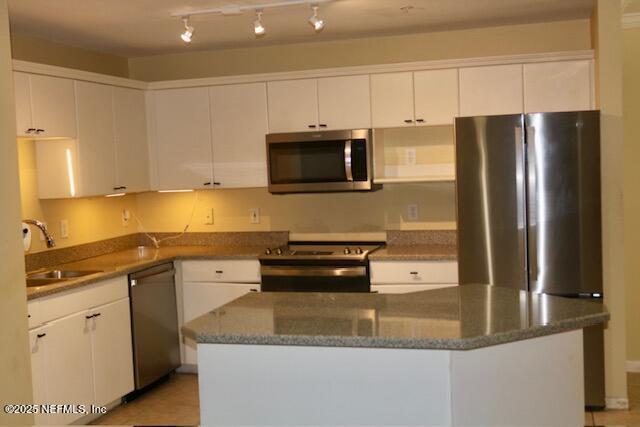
[[564, 226], [491, 200]]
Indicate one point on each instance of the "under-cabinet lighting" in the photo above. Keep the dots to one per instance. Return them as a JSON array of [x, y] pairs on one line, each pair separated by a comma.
[[175, 191], [116, 195], [72, 180]]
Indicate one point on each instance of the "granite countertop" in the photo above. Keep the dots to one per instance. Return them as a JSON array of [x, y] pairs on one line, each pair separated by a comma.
[[130, 260], [419, 252], [455, 318]]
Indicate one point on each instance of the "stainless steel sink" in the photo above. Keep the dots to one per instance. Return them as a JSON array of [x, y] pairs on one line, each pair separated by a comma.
[[55, 276]]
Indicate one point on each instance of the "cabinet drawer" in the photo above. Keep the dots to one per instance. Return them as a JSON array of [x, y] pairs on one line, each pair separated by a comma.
[[239, 271], [33, 313], [409, 272], [84, 298]]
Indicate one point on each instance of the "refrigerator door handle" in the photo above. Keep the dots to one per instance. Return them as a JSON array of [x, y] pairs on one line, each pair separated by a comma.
[[520, 164], [532, 194]]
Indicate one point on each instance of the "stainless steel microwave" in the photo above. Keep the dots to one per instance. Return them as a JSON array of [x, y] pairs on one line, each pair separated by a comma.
[[326, 161]]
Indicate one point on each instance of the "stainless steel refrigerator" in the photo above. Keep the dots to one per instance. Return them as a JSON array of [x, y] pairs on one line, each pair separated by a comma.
[[528, 204]]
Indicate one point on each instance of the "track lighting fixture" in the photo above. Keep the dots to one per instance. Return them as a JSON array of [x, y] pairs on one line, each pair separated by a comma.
[[314, 21], [258, 27], [188, 30]]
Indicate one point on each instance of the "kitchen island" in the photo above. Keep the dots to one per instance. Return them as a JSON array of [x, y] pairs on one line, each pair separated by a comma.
[[468, 355]]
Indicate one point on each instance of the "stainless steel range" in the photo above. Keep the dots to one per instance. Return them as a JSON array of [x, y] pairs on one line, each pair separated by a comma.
[[317, 267]]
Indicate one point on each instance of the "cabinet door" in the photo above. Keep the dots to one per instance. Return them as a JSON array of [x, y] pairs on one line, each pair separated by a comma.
[[112, 351], [344, 102], [38, 347], [493, 90], [183, 139], [392, 100], [436, 96], [557, 86], [57, 168], [22, 93], [69, 365], [239, 124], [53, 106], [132, 165], [199, 298], [293, 105], [96, 139]]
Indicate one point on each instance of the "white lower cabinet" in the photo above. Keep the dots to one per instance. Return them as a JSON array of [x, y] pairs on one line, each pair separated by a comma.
[[399, 277], [81, 351], [201, 297]]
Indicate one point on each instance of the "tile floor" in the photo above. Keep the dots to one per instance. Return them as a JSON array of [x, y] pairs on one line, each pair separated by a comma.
[[175, 402]]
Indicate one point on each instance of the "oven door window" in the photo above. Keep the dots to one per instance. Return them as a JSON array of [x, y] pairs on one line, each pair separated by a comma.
[[307, 162]]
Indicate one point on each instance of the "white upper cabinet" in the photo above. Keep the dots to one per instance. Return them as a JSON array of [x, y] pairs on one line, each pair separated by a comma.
[[182, 139], [344, 102], [53, 106], [392, 100], [22, 92], [57, 169], [558, 86], [491, 90], [132, 165], [436, 96], [239, 125], [96, 139], [293, 105]]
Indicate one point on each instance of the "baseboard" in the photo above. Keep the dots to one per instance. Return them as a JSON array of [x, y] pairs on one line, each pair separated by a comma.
[[617, 403], [633, 365], [187, 368]]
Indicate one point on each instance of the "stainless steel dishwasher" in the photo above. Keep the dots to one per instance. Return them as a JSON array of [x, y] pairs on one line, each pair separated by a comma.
[[154, 323]]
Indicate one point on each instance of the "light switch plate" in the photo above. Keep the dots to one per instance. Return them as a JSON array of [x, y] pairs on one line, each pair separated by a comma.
[[208, 216], [64, 229], [412, 212], [410, 156]]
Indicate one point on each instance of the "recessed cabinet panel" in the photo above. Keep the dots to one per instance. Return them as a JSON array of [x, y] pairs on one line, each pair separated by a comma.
[[557, 86], [132, 150], [293, 105], [96, 139], [53, 106], [22, 92], [183, 139], [344, 102], [392, 100], [239, 124], [492, 90], [436, 96]]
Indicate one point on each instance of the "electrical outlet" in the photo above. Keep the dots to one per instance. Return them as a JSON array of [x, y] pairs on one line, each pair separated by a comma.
[[412, 212], [208, 216], [126, 216], [254, 215], [410, 156], [64, 229]]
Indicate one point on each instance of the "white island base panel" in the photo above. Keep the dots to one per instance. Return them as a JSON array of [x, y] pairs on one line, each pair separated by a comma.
[[535, 382]]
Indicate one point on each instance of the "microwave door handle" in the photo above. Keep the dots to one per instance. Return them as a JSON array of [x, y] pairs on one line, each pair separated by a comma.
[[347, 160]]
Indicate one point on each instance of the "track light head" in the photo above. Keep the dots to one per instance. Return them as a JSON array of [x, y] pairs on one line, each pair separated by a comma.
[[258, 27], [314, 21], [188, 30]]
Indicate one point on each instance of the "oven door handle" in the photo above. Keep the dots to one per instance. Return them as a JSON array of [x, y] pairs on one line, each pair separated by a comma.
[[267, 270], [348, 161]]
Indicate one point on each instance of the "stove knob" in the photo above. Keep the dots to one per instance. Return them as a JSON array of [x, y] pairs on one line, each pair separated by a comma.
[[279, 251], [347, 251], [359, 251], [268, 251]]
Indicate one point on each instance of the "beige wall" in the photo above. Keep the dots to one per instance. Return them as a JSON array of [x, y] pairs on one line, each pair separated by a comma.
[[28, 48], [631, 77], [514, 39], [15, 367], [609, 64]]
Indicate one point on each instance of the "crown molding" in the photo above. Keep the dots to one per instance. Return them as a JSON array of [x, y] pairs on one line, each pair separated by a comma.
[[631, 20]]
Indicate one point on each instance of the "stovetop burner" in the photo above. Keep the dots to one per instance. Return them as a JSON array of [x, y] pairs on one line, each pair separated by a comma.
[[321, 251]]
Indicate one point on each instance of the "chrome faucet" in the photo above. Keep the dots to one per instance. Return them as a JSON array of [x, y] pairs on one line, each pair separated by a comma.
[[50, 242]]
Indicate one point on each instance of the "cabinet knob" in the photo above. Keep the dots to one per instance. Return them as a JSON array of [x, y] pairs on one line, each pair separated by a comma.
[[312, 126], [253, 290], [38, 131], [408, 121], [97, 315], [322, 125], [41, 335], [206, 183], [420, 120], [415, 273], [90, 316], [219, 271], [30, 130], [216, 183]]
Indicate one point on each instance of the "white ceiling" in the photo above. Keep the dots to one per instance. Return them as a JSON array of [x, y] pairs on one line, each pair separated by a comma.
[[145, 27]]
